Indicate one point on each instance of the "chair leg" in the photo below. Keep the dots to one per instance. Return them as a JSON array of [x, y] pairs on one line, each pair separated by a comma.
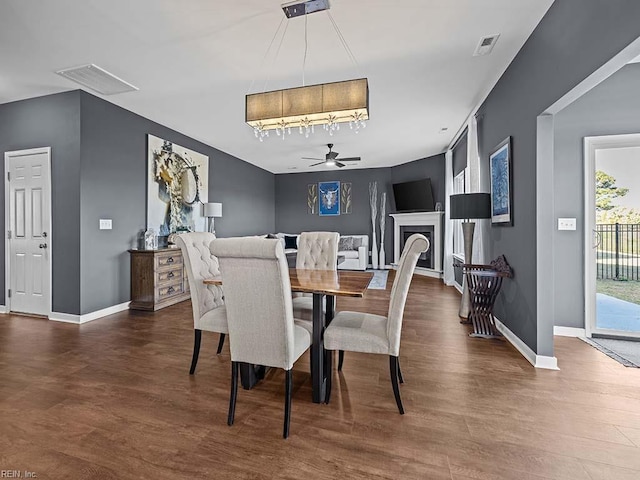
[[235, 368], [400, 372], [220, 343], [340, 359], [327, 392], [196, 350], [393, 366], [288, 386]]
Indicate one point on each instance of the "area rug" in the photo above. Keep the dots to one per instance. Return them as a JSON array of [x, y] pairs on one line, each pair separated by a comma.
[[626, 352], [379, 280]]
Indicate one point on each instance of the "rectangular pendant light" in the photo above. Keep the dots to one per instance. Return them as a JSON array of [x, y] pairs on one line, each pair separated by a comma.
[[310, 105]]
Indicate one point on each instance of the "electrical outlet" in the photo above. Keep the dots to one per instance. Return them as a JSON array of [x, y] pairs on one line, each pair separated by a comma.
[[105, 224], [566, 223]]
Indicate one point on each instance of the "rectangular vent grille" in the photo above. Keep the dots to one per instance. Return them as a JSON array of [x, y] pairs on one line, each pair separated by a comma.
[[485, 45], [97, 79]]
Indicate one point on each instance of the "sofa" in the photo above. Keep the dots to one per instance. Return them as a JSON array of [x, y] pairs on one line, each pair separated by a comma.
[[354, 249]]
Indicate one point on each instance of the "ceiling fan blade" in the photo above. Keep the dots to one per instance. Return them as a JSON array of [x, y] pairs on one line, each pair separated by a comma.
[[312, 158], [316, 164], [350, 159], [338, 164]]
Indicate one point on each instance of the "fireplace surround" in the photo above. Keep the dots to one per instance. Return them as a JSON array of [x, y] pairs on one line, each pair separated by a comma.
[[428, 224]]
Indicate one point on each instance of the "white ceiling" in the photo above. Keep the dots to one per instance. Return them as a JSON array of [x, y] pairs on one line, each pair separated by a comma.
[[194, 61]]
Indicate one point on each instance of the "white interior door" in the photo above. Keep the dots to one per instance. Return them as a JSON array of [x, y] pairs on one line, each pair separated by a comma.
[[29, 231]]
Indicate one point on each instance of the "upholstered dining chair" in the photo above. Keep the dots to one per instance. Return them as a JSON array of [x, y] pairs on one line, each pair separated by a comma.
[[207, 301], [262, 330], [317, 251], [369, 333]]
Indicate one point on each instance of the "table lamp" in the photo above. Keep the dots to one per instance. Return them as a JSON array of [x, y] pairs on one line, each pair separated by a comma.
[[211, 211], [467, 206]]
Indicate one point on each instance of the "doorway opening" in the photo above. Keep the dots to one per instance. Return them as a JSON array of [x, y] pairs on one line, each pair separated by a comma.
[[612, 213]]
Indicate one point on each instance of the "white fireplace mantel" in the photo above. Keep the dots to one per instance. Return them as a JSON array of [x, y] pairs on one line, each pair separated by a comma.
[[426, 219]]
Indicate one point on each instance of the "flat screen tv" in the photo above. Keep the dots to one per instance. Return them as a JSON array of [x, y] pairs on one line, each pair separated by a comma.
[[415, 196]]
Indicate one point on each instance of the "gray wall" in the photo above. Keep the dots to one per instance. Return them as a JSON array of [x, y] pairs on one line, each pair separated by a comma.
[[51, 121], [291, 197], [98, 170], [573, 39], [613, 107], [113, 178]]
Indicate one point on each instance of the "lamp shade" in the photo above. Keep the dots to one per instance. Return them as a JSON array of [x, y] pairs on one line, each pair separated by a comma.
[[212, 210], [470, 205]]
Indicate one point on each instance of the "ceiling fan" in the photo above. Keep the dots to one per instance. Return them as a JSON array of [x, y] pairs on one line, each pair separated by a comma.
[[330, 159]]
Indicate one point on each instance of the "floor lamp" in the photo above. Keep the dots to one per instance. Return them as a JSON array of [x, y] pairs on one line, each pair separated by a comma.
[[466, 206], [211, 211]]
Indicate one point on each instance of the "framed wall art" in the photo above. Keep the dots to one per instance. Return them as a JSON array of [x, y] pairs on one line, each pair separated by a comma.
[[501, 166], [329, 197], [177, 186]]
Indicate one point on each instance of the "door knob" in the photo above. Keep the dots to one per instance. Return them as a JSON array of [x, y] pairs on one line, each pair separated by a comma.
[[43, 245]]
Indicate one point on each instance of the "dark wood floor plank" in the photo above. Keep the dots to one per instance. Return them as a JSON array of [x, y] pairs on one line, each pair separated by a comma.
[[113, 399]]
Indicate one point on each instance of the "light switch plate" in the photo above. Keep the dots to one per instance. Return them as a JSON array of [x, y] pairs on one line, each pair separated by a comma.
[[105, 224], [566, 223]]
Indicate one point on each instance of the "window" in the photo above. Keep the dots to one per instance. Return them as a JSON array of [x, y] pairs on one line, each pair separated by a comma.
[[458, 239]]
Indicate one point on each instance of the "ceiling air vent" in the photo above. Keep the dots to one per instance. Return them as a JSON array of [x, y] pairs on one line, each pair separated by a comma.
[[97, 79], [486, 44]]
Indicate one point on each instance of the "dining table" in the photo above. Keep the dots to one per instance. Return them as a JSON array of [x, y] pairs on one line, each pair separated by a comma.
[[322, 284]]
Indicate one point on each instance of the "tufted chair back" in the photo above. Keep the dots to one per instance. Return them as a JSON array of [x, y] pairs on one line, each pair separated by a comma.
[[318, 250], [258, 300], [413, 247], [200, 264]]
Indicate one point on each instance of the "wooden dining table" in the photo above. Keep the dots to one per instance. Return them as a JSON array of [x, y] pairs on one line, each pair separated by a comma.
[[322, 284]]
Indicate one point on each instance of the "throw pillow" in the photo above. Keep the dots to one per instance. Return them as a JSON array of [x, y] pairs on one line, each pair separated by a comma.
[[357, 243], [271, 235], [290, 242], [345, 244]]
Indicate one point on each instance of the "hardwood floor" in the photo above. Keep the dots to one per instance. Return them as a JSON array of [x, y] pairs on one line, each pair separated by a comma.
[[113, 399]]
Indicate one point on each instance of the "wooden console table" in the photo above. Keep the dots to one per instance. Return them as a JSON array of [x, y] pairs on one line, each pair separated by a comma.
[[158, 279]]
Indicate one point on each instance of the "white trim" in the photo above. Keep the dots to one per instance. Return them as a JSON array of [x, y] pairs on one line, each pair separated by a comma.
[[4, 309], [64, 317], [7, 221], [591, 146], [569, 332], [538, 361], [88, 317]]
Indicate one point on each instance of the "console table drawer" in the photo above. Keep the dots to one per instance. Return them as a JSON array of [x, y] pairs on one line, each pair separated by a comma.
[[169, 259], [172, 275], [170, 290]]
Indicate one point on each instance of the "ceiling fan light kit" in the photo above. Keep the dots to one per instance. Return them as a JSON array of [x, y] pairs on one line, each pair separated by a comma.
[[303, 108], [330, 159]]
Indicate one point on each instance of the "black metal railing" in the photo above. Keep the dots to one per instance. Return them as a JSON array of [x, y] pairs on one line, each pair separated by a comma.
[[618, 251]]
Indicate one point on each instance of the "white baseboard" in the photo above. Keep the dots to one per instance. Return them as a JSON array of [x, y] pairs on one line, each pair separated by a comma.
[[87, 317], [569, 332], [538, 361], [3, 309]]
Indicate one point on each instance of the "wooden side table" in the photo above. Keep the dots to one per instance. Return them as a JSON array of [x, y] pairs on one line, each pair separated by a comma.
[[484, 285], [158, 279]]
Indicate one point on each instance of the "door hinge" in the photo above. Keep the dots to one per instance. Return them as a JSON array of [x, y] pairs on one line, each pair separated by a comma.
[[9, 234], [9, 293]]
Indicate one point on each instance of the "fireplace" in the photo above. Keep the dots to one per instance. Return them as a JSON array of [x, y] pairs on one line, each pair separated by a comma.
[[425, 260], [430, 225]]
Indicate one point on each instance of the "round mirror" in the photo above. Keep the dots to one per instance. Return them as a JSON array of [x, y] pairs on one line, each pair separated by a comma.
[[190, 186]]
